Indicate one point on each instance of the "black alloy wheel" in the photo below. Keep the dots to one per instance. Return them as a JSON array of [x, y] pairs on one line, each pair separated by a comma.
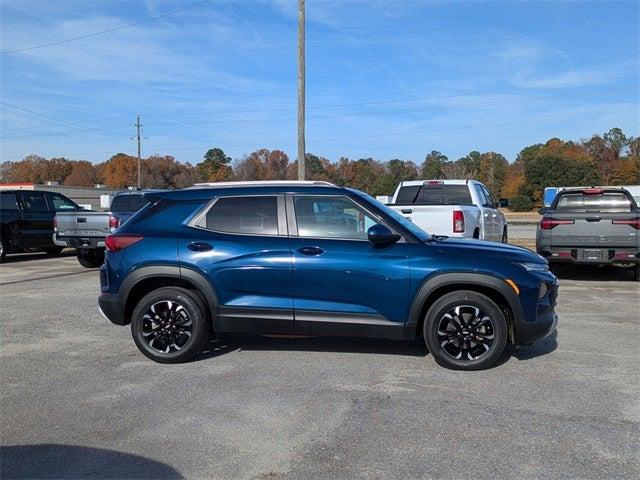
[[465, 330], [170, 325]]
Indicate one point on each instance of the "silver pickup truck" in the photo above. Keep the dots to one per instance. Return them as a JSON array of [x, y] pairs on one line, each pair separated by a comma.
[[86, 232], [597, 226]]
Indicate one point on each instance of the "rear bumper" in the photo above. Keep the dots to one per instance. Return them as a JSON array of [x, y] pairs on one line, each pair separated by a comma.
[[79, 242], [111, 308], [610, 255]]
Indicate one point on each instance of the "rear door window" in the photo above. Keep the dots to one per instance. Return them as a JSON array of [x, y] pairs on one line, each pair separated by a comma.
[[35, 202], [254, 215], [606, 202]]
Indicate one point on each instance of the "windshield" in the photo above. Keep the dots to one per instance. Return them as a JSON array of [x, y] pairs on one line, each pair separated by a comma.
[[397, 217]]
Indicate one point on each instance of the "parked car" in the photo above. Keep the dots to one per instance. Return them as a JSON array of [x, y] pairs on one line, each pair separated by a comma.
[[454, 208], [311, 258], [26, 220], [86, 231], [125, 205], [595, 226]]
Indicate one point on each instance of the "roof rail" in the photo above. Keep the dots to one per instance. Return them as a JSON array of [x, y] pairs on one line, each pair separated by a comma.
[[263, 183]]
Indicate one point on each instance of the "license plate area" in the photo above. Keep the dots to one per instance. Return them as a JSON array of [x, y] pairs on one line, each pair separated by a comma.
[[592, 255], [85, 242]]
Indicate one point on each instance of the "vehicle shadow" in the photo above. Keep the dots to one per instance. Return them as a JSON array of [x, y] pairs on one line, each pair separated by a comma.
[[31, 256], [538, 349], [228, 343], [68, 461], [605, 273]]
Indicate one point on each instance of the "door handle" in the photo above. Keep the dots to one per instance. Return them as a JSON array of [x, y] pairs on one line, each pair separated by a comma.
[[592, 219], [406, 210], [200, 246], [311, 251]]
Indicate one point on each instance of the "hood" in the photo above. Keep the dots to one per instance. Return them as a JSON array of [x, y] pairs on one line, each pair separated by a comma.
[[468, 246]]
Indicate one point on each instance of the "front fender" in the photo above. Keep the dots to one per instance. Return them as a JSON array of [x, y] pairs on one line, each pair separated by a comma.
[[462, 279]]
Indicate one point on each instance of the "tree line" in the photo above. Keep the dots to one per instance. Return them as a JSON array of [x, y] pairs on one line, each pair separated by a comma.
[[612, 158]]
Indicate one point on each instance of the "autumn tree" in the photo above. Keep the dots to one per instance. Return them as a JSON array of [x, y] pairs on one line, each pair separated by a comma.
[[275, 167], [120, 171], [82, 175], [493, 170]]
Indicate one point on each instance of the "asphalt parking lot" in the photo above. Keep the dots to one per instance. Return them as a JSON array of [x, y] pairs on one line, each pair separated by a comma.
[[79, 401]]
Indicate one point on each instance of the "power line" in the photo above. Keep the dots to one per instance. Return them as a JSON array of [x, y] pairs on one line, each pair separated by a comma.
[[416, 132], [86, 129], [102, 32], [337, 115]]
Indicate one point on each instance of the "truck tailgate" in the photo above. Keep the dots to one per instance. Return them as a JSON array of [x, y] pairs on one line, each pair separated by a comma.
[[82, 224], [594, 230], [434, 219]]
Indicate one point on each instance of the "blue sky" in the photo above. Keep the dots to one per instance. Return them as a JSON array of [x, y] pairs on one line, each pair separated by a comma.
[[385, 79]]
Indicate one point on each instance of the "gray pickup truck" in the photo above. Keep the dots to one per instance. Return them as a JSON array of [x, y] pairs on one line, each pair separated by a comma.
[[595, 226], [86, 232]]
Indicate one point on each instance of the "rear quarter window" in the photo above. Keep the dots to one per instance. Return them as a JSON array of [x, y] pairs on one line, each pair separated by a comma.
[[121, 203], [8, 201], [607, 202]]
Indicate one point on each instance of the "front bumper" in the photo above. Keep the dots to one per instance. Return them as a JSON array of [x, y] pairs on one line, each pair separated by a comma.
[[545, 322], [111, 308]]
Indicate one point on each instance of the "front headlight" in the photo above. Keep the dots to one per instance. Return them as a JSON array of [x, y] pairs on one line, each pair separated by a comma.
[[533, 267], [542, 291]]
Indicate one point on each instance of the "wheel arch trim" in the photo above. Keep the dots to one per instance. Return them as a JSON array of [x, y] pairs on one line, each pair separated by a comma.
[[447, 279], [194, 277]]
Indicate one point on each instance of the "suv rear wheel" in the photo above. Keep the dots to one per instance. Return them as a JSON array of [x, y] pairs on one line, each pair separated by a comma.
[[170, 325], [465, 330]]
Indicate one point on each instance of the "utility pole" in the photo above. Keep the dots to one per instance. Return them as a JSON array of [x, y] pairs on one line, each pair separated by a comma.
[[301, 108], [138, 135]]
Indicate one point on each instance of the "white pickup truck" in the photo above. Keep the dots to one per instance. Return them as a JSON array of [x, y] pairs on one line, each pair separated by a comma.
[[454, 208]]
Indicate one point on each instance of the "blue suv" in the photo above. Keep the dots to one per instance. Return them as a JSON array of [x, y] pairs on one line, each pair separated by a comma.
[[311, 258]]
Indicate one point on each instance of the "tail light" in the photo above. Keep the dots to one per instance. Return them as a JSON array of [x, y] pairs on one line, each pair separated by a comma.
[[549, 223], [114, 243], [114, 223], [592, 191], [634, 222], [458, 221]]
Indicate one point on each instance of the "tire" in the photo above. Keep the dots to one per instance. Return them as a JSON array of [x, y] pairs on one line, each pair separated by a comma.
[[91, 259], [636, 272], [4, 246], [178, 310], [452, 322], [53, 251], [476, 234], [505, 237]]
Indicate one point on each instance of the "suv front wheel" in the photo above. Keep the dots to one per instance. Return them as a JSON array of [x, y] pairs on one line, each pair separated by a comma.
[[170, 325], [465, 330]]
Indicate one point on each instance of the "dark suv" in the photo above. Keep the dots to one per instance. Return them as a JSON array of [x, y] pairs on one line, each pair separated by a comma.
[[310, 258]]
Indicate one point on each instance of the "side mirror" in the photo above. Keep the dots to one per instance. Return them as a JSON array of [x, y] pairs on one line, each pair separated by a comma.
[[379, 235], [543, 210]]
